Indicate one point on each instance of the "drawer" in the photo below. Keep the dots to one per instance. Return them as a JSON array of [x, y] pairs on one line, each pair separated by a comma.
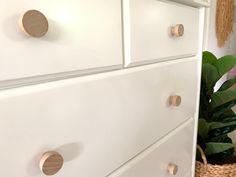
[[82, 35], [96, 122], [150, 38], [169, 157]]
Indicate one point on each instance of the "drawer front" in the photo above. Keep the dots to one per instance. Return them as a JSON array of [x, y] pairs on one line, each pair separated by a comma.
[[150, 32], [81, 35], [169, 157], [96, 122]]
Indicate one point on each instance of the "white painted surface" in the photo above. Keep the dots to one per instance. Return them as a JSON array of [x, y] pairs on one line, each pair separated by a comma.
[[211, 40], [195, 3], [150, 38], [97, 122], [176, 148], [202, 34], [233, 39], [82, 35]]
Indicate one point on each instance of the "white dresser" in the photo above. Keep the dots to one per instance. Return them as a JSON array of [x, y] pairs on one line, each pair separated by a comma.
[[111, 89]]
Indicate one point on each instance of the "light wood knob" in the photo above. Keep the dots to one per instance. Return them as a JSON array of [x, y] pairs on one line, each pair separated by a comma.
[[177, 30], [34, 23], [51, 162], [172, 169], [175, 100]]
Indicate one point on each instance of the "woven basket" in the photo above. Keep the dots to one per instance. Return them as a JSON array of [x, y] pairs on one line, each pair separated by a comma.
[[208, 170]]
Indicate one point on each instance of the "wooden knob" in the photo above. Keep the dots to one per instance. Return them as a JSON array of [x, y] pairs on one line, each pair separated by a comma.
[[172, 169], [51, 162], [175, 100], [34, 23], [177, 30]]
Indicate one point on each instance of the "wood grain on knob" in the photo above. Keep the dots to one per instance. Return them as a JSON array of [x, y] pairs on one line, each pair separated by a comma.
[[51, 162], [34, 23], [175, 100], [172, 169], [177, 30]]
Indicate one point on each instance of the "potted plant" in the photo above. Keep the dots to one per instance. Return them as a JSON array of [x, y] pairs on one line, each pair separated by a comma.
[[216, 118]]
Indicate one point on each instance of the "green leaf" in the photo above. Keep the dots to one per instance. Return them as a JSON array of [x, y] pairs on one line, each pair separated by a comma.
[[221, 114], [222, 97], [225, 64], [203, 128], [229, 119], [227, 84], [221, 131], [209, 58], [209, 76], [227, 153], [205, 96], [221, 139], [216, 125], [214, 148], [216, 116], [225, 110], [217, 129]]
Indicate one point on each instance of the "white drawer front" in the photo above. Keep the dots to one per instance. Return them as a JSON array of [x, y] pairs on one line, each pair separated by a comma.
[[82, 35], [96, 122], [173, 154], [150, 31]]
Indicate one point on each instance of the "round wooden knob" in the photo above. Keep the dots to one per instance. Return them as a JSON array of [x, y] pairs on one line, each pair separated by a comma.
[[172, 169], [177, 30], [34, 23], [50, 163], [175, 100]]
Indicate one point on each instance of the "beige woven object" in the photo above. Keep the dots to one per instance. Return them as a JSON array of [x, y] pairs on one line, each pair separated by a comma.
[[208, 170], [224, 20]]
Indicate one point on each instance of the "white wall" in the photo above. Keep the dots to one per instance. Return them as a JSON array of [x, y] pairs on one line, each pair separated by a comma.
[[211, 40], [211, 44]]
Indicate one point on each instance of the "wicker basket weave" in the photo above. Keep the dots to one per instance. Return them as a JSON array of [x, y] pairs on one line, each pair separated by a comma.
[[208, 170]]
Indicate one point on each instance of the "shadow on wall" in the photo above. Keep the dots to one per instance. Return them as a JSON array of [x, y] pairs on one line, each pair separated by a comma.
[[233, 38]]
